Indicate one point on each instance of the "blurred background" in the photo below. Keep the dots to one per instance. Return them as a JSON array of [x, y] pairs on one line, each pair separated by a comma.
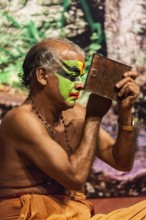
[[115, 29]]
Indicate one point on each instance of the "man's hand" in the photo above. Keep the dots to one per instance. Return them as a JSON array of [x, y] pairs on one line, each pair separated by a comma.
[[98, 106], [128, 90]]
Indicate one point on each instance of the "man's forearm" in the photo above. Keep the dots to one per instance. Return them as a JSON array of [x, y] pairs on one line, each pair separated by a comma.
[[83, 158], [124, 147]]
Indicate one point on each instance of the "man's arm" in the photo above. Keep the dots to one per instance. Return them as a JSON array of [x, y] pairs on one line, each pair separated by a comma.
[[120, 153], [31, 140], [117, 153]]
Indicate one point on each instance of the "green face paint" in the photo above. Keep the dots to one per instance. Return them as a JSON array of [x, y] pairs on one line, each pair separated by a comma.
[[70, 73]]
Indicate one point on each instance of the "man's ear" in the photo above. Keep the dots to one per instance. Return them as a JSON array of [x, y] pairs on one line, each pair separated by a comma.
[[42, 76]]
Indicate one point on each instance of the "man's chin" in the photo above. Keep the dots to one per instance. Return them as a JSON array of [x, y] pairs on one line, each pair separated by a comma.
[[68, 104]]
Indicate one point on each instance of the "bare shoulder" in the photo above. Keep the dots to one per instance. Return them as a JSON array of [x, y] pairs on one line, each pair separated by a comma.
[[16, 116], [20, 122], [13, 116]]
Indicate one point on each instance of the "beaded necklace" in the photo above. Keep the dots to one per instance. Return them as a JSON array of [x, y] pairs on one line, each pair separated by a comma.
[[48, 126]]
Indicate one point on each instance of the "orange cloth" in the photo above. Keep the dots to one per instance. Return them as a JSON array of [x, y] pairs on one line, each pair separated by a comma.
[[72, 207], [10, 209]]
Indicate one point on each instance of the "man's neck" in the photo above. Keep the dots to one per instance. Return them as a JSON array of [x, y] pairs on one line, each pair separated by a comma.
[[46, 109]]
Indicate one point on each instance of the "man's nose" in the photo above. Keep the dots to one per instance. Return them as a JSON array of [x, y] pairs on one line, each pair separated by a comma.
[[78, 83]]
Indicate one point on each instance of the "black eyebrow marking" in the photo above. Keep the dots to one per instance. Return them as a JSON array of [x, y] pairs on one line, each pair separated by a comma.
[[73, 68], [62, 72]]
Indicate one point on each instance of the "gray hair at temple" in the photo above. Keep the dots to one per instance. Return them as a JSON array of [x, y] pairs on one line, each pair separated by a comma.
[[45, 54]]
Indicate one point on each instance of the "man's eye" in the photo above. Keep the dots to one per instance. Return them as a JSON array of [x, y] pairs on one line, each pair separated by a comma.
[[68, 76], [78, 78], [72, 78]]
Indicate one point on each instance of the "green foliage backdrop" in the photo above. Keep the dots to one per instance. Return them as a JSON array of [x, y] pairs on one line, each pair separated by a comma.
[[15, 44]]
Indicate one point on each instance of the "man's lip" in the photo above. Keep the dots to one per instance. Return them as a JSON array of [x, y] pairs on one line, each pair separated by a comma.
[[76, 95]]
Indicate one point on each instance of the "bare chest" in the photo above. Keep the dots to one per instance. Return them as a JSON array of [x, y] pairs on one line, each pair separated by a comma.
[[69, 137]]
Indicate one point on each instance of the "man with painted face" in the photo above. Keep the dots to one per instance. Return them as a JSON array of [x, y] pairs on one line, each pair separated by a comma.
[[49, 143]]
